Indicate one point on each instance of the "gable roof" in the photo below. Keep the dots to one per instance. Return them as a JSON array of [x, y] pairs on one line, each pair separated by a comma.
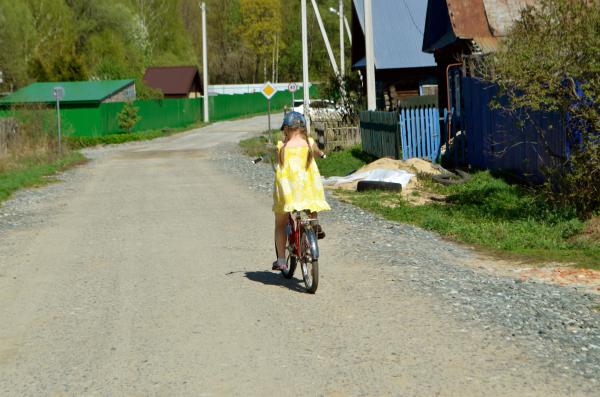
[[398, 27], [75, 91], [173, 80], [482, 21]]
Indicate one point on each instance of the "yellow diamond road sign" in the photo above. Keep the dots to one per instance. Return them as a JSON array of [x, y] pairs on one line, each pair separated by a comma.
[[268, 90]]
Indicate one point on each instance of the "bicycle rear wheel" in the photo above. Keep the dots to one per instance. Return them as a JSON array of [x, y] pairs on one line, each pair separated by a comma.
[[308, 264]]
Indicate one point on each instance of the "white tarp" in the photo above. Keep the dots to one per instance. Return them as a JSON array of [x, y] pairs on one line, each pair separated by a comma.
[[379, 174]]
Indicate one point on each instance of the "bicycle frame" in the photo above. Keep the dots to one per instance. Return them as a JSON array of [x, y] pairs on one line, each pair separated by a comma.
[[298, 224]]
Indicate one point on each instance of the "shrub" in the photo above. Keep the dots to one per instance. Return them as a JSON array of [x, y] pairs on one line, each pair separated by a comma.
[[36, 137], [550, 61], [128, 117]]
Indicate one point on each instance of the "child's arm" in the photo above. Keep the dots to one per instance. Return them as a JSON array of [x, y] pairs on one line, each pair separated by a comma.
[[316, 151]]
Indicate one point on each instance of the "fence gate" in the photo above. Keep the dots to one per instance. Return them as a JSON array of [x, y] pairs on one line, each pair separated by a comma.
[[380, 134], [420, 132]]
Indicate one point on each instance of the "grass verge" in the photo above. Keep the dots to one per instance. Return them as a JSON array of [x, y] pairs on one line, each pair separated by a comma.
[[30, 172], [491, 214], [80, 142], [338, 163], [257, 145], [343, 162]]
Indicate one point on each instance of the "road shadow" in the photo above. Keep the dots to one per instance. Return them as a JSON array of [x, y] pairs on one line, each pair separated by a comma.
[[276, 279]]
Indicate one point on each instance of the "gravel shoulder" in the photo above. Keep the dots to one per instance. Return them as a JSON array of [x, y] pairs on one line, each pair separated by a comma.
[[146, 272]]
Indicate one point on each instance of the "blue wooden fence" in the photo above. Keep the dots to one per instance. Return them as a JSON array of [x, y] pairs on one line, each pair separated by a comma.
[[501, 141], [420, 132]]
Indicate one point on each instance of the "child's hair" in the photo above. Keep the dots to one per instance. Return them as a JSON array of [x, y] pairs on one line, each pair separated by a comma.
[[287, 131]]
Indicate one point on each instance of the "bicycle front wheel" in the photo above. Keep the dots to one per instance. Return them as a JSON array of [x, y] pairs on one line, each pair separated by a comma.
[[308, 263]]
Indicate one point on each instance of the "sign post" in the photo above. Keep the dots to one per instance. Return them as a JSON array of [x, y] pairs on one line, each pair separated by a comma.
[[205, 64], [58, 93], [293, 87], [268, 90]]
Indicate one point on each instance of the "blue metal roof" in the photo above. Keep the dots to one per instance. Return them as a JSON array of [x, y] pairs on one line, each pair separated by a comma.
[[398, 27]]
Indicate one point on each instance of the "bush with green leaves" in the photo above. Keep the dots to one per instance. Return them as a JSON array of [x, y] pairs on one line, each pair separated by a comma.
[[550, 61], [128, 117]]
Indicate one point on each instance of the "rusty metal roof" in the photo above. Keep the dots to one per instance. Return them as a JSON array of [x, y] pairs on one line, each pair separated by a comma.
[[173, 80], [483, 22], [468, 19]]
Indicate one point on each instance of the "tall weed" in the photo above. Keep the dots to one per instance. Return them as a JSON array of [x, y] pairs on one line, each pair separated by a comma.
[[35, 141]]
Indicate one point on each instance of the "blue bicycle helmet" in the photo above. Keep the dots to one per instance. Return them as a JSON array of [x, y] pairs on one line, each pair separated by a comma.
[[293, 119]]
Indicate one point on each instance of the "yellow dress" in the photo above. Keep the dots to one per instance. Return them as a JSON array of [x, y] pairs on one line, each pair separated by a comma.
[[296, 187]]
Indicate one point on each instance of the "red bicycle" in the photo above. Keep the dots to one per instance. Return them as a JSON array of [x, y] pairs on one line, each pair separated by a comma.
[[302, 247]]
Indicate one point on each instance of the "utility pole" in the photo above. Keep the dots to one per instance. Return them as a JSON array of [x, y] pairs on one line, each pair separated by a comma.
[[325, 39], [305, 82], [345, 23], [205, 64], [58, 93], [371, 100], [342, 46], [348, 30]]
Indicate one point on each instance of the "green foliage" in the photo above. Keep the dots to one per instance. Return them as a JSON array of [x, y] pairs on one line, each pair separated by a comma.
[[552, 47], [128, 117], [493, 214], [249, 40], [17, 40], [260, 28], [343, 162]]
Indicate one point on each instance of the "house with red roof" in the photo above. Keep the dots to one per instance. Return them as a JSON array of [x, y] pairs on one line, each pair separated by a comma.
[[175, 81]]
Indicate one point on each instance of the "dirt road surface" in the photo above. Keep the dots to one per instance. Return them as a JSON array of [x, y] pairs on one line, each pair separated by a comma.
[[149, 276]]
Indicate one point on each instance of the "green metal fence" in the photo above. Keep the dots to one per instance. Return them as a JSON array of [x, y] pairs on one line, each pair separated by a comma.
[[165, 113]]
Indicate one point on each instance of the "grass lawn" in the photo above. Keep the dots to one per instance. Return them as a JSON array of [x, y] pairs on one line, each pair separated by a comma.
[[34, 172], [491, 214]]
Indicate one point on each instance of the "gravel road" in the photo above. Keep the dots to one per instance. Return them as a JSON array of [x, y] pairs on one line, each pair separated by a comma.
[[146, 272]]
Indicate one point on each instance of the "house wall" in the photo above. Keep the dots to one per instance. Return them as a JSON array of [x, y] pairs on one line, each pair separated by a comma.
[[394, 84], [125, 95], [444, 57]]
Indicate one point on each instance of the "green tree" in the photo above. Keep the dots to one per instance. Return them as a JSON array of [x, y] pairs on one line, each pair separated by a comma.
[[261, 24], [551, 61], [17, 40], [129, 117], [54, 57]]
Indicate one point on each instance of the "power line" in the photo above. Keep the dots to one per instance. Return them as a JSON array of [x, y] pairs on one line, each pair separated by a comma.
[[412, 18]]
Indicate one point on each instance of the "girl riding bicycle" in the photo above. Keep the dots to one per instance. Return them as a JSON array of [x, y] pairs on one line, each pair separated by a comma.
[[298, 184]]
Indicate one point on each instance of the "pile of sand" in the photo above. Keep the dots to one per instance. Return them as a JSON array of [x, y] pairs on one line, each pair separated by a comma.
[[414, 166]]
